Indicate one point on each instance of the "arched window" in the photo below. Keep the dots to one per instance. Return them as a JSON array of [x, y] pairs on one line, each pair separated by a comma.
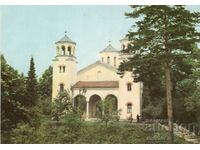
[[61, 87], [60, 69], [129, 108], [63, 68], [63, 49], [102, 59], [69, 50], [115, 61], [129, 87], [108, 60]]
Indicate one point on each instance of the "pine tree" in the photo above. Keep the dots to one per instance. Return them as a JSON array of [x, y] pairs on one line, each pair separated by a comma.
[[31, 86], [163, 36], [190, 87]]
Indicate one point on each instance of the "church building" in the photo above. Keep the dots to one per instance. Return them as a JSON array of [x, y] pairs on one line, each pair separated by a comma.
[[97, 81]]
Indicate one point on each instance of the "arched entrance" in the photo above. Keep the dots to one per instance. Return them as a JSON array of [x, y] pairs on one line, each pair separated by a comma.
[[94, 100], [80, 104], [110, 104]]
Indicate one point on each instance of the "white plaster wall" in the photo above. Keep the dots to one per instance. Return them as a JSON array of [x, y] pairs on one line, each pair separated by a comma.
[[132, 96], [98, 73], [68, 77]]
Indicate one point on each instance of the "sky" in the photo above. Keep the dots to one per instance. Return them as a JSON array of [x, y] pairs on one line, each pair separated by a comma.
[[27, 31]]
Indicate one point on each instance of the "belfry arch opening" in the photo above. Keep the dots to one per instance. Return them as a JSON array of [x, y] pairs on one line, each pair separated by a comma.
[[69, 49], [63, 49]]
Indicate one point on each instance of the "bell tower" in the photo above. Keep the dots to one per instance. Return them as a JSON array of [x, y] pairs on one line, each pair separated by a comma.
[[64, 65]]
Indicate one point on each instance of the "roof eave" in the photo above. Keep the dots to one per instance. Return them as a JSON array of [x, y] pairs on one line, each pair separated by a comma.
[[109, 51], [94, 87], [61, 42], [95, 63]]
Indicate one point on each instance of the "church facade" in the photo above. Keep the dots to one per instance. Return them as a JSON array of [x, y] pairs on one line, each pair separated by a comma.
[[97, 81]]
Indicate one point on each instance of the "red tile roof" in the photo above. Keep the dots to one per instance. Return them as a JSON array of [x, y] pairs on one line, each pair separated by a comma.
[[96, 84]]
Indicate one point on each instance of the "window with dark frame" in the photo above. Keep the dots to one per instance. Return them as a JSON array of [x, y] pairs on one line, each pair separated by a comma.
[[61, 87], [108, 60], [129, 87], [129, 108]]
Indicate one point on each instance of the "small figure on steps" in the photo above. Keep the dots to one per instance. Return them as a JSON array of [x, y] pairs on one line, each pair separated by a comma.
[[138, 118]]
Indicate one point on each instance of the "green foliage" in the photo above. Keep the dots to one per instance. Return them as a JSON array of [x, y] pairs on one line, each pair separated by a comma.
[[44, 105], [45, 83], [24, 133], [12, 93], [61, 105], [153, 111], [107, 110], [31, 86], [188, 90], [113, 133], [193, 102], [71, 130], [45, 92], [66, 130], [110, 104], [80, 105]]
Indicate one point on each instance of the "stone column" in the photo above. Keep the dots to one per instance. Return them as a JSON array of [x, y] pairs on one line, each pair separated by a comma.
[[87, 110]]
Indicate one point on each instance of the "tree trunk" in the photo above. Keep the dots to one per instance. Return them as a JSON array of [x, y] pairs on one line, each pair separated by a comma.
[[169, 101]]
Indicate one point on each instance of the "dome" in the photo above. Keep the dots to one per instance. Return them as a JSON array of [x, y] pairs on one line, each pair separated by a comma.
[[109, 48], [65, 39]]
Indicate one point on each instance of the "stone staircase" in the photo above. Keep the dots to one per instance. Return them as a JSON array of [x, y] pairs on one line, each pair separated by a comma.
[[184, 133]]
